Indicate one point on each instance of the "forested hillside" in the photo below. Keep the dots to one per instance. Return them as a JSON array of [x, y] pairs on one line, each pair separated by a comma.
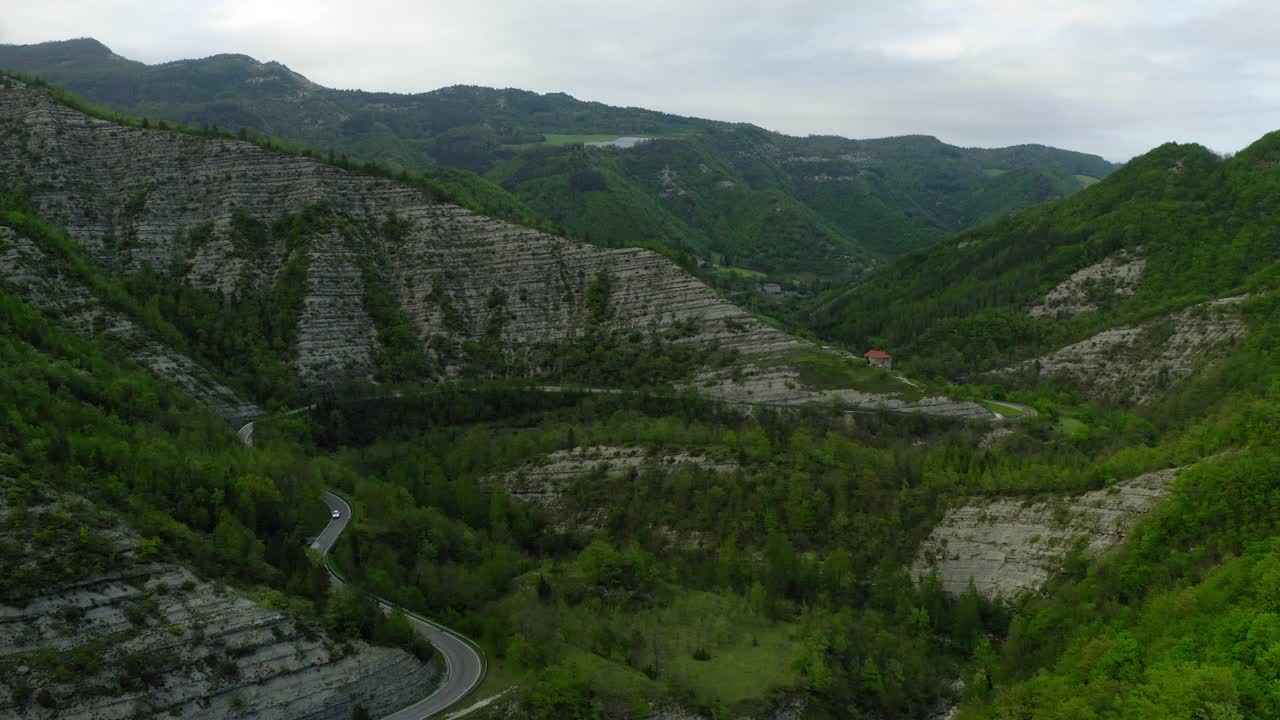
[[134, 522], [799, 209], [1174, 228]]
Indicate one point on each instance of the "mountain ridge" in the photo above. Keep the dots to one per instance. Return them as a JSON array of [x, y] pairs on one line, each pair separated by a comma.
[[1139, 257], [843, 205], [294, 273]]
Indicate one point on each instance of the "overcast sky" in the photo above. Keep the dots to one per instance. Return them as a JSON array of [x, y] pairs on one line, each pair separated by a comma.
[[1113, 77]]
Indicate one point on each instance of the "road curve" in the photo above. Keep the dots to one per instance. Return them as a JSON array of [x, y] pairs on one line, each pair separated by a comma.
[[1025, 411], [463, 664]]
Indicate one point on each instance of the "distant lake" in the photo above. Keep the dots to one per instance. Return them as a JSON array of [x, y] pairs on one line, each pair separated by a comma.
[[622, 142]]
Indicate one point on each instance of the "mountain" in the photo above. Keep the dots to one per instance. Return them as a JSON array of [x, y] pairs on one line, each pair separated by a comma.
[[1140, 263], [714, 518], [281, 275], [742, 197], [156, 285], [1139, 318]]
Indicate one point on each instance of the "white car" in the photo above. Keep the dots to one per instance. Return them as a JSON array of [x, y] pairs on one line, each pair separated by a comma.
[[336, 515]]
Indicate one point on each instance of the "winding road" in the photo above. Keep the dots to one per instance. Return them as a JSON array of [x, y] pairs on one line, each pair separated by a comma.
[[1024, 411], [463, 664]]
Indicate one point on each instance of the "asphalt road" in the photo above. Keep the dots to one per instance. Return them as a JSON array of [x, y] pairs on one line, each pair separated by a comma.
[[464, 667]]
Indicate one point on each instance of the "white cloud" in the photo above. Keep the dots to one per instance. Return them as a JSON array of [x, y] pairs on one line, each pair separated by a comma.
[[1109, 76]]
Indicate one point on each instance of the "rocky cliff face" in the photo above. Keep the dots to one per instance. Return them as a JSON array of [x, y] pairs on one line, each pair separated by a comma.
[[1012, 545], [544, 482], [129, 637], [1115, 276], [133, 197], [31, 273], [1137, 363]]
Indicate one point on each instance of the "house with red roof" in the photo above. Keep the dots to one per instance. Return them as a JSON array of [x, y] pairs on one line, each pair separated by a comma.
[[879, 358]]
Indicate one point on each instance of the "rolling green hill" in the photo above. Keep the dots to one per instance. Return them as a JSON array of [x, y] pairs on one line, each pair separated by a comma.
[[816, 208]]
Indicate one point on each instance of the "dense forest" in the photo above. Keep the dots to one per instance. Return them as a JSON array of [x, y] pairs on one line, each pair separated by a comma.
[[1206, 227]]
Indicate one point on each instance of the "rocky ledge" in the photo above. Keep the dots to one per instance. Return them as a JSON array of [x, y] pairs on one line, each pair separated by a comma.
[[132, 198], [1007, 546], [136, 638]]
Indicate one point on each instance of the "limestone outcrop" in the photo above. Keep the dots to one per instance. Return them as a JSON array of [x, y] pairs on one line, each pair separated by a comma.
[[1115, 276], [146, 638], [1012, 545], [1137, 363], [546, 481], [335, 335], [133, 197], [26, 270]]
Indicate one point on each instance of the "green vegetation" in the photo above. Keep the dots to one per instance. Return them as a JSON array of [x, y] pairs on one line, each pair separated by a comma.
[[400, 356], [833, 370], [250, 338], [1005, 409], [1205, 226], [683, 551], [623, 609], [96, 439], [824, 208], [629, 605], [743, 273], [1178, 624]]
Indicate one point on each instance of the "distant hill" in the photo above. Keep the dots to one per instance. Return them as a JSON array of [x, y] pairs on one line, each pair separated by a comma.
[[816, 208]]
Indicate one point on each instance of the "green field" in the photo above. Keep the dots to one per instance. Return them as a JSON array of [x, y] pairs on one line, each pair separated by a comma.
[[1072, 427], [993, 172], [743, 651], [826, 370], [739, 272], [1085, 180], [746, 669]]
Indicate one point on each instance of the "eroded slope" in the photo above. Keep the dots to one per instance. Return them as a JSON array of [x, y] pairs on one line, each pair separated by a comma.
[[201, 209], [113, 633]]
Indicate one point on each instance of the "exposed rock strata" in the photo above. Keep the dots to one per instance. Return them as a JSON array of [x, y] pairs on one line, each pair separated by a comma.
[[545, 482], [168, 643], [1136, 363], [1011, 545], [1115, 276], [133, 197], [335, 335], [28, 272]]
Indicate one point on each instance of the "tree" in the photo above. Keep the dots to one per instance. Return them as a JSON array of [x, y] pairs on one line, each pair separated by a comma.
[[561, 694], [837, 572]]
